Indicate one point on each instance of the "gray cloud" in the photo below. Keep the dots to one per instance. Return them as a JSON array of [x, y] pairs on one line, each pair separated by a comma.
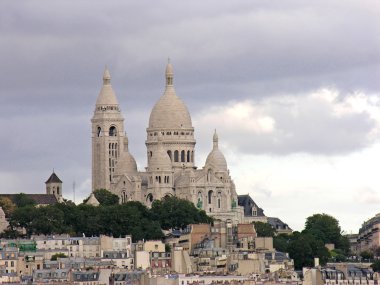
[[294, 124], [52, 56]]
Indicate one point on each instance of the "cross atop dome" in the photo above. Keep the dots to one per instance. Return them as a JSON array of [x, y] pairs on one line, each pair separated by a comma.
[[106, 76], [215, 140], [169, 74]]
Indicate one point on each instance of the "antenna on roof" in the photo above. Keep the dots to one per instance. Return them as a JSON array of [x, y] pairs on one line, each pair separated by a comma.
[[74, 192]]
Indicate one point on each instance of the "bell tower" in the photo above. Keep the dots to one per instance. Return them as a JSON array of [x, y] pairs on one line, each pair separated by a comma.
[[107, 135], [54, 186]]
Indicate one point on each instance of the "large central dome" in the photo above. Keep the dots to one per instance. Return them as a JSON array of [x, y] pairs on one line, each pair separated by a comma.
[[169, 112]]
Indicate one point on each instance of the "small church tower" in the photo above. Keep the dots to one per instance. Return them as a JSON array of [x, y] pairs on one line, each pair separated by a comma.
[[54, 186]]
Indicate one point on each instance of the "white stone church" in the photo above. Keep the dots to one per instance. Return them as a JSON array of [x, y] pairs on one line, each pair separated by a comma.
[[170, 147]]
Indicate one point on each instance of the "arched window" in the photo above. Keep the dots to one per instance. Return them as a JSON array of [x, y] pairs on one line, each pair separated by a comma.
[[58, 190], [176, 156], [170, 154], [219, 200], [192, 156], [123, 197], [149, 198], [210, 196], [99, 131], [112, 132], [188, 156], [182, 156]]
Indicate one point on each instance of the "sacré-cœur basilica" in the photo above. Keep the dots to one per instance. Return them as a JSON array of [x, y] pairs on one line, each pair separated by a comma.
[[170, 170]]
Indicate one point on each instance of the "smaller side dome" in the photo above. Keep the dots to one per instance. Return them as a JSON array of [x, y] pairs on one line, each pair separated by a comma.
[[126, 162], [160, 160], [216, 158]]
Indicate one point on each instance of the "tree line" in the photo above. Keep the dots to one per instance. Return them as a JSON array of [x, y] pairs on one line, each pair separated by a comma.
[[320, 229], [109, 218]]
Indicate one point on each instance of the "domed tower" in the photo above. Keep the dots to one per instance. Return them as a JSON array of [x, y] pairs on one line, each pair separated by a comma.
[[221, 194], [160, 174], [216, 159], [107, 135], [126, 163], [171, 119]]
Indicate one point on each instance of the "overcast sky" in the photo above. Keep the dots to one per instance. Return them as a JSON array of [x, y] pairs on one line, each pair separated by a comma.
[[292, 88]]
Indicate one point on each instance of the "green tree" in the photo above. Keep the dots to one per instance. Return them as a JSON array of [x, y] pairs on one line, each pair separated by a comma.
[[58, 255], [337, 255], [366, 255], [264, 229], [105, 197], [304, 247], [22, 200], [281, 242], [23, 218], [324, 227], [172, 212], [376, 265], [7, 205]]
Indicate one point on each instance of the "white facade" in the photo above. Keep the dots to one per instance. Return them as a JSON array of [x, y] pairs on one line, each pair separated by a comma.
[[170, 144]]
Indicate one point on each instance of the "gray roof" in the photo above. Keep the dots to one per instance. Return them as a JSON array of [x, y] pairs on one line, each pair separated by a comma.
[[278, 224], [39, 199], [247, 202], [53, 179]]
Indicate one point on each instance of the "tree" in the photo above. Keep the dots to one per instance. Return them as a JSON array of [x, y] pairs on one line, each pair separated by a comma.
[[23, 200], [376, 266], [264, 229], [337, 255], [172, 212], [325, 228], [105, 197], [367, 255], [7, 205], [281, 242], [58, 255], [304, 247]]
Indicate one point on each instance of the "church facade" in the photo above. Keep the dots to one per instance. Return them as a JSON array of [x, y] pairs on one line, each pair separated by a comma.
[[170, 145]]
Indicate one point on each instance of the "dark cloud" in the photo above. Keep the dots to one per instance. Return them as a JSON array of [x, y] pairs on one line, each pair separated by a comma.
[[53, 54]]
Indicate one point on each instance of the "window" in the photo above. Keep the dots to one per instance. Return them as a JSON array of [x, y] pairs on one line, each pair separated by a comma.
[[149, 198], [112, 131], [210, 197], [176, 156], [170, 154], [99, 133], [183, 156], [188, 156]]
